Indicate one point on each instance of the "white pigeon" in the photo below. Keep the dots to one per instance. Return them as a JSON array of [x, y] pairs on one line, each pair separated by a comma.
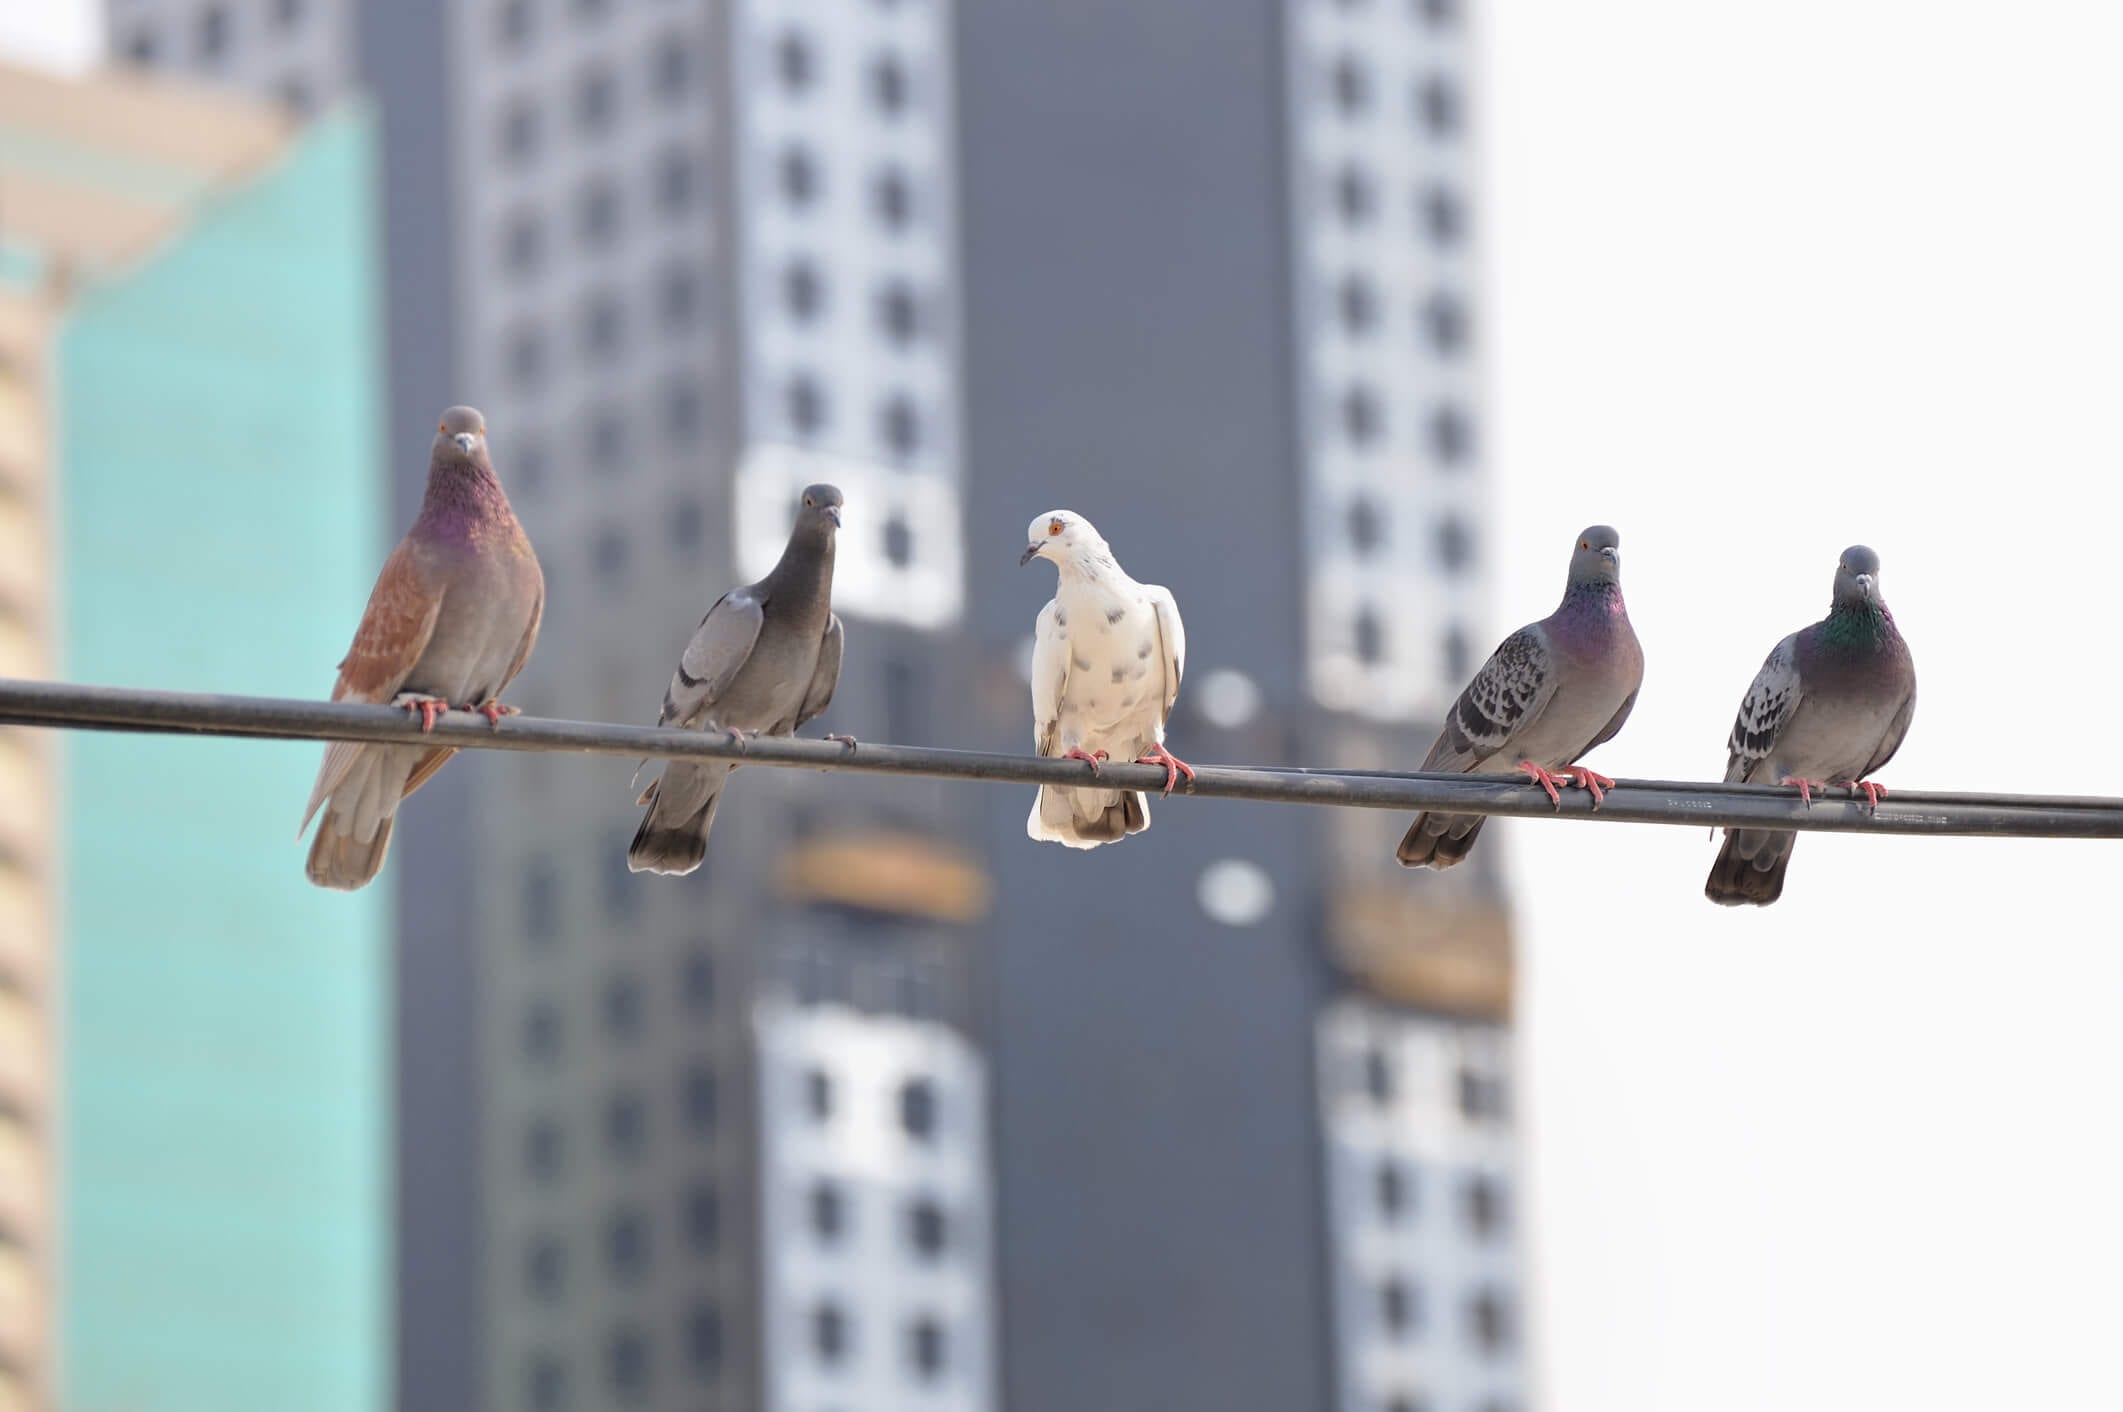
[[1106, 663]]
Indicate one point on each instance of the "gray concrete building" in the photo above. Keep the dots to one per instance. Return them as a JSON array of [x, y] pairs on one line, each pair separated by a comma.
[[888, 1106]]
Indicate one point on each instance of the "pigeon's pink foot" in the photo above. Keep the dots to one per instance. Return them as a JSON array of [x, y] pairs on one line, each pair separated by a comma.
[[1546, 779], [737, 737], [1091, 758], [1873, 791], [493, 711], [1804, 787], [426, 707], [1174, 766], [1591, 781], [846, 742]]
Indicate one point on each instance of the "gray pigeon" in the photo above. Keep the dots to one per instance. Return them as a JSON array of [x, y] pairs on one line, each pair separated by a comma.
[[1550, 693], [763, 661], [1107, 655], [1829, 707], [450, 622]]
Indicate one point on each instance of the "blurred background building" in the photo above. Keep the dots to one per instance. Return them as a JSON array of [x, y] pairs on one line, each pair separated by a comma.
[[887, 1106], [195, 1132]]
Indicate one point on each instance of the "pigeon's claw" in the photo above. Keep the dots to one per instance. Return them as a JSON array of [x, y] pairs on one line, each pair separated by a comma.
[[1174, 766], [1591, 781], [1547, 779], [738, 738], [1873, 791], [847, 742], [426, 707], [1804, 787], [1093, 758], [493, 710]]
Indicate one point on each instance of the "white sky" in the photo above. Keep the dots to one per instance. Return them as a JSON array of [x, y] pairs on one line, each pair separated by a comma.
[[1766, 282]]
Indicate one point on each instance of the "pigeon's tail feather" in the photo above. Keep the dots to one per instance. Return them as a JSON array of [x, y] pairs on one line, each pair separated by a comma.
[[1086, 818], [1439, 840], [355, 831], [1750, 868], [673, 837]]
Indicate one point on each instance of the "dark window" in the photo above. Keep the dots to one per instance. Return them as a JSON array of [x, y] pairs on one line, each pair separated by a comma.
[[673, 67], [1458, 651], [925, 1347], [917, 1108], [1437, 101], [541, 1031], [899, 543], [1350, 83], [213, 32], [1445, 323], [1361, 418], [892, 197], [597, 213], [888, 85], [829, 1332], [675, 181], [903, 706], [527, 356], [512, 23], [678, 296], [1451, 437], [609, 554], [1357, 303], [1440, 13], [519, 131], [698, 1099], [1390, 1181], [829, 1211], [1353, 195], [1482, 1203], [141, 47], [687, 522], [627, 1361], [928, 1230], [592, 9], [1455, 550], [1397, 1306], [545, 1268], [622, 1007], [608, 442], [544, 1146], [900, 425], [799, 175], [697, 981], [899, 313], [295, 96], [802, 290], [530, 471], [704, 1340], [1370, 637], [1378, 1075], [818, 1094], [702, 1216], [806, 404], [1406, 1402], [1444, 218], [1367, 527], [1488, 1322], [603, 325], [547, 1383], [626, 1246], [681, 427], [596, 97], [794, 61], [523, 242], [626, 1125], [541, 902]]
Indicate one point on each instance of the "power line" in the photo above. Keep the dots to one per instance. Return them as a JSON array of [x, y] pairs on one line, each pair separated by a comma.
[[1696, 805]]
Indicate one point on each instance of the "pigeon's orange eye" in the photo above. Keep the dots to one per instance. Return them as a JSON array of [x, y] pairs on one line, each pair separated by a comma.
[[442, 426], [1584, 544], [1054, 527]]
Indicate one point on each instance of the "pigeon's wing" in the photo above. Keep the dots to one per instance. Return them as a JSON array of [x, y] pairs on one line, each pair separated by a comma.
[[435, 759], [1172, 641], [1050, 674], [1891, 741], [1764, 712], [1613, 727], [720, 647], [394, 632], [1513, 687], [826, 676]]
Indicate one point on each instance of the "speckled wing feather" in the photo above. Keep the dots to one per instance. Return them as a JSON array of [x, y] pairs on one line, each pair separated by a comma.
[[714, 657], [1764, 712], [1172, 642], [1510, 690], [1050, 678]]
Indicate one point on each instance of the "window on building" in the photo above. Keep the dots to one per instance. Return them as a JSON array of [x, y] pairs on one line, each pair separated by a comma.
[[142, 46], [212, 33], [546, 1383], [889, 85], [1458, 653], [698, 1099], [1451, 436], [704, 1339], [818, 1094], [681, 427], [545, 1268], [622, 1007], [522, 242], [696, 977], [519, 130], [1481, 1094], [806, 404], [527, 356], [675, 181], [1437, 101], [295, 95], [1406, 1402], [795, 62], [892, 198], [1356, 302], [626, 1246], [596, 101], [626, 1126], [1482, 1204], [918, 1108], [678, 297], [829, 1210], [627, 1364], [899, 313], [1367, 526], [1350, 83], [608, 453], [1370, 637], [608, 555], [686, 520], [603, 325], [802, 290], [1398, 1309], [1455, 552], [592, 10], [529, 467], [899, 543], [830, 1332], [671, 68], [597, 213], [1444, 318], [700, 1214], [899, 426], [925, 1348], [1444, 217], [798, 171], [1489, 1322], [544, 1147], [512, 23], [1362, 418], [1440, 14], [1354, 196], [1391, 1183], [903, 701], [541, 902], [541, 1032], [928, 1229], [1378, 1075]]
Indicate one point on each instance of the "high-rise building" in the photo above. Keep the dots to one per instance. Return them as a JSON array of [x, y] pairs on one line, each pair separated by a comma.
[[889, 1106], [194, 1121]]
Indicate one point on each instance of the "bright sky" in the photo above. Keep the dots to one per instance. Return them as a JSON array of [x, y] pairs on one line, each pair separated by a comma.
[[1767, 282]]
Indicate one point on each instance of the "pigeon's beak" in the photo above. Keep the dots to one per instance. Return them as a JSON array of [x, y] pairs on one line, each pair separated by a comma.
[[1868, 585], [1031, 553], [465, 441], [1611, 554], [833, 514]]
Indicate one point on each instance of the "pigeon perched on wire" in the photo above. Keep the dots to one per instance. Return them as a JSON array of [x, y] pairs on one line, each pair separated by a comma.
[[449, 624], [1107, 655], [1548, 695], [1828, 708], [763, 661]]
